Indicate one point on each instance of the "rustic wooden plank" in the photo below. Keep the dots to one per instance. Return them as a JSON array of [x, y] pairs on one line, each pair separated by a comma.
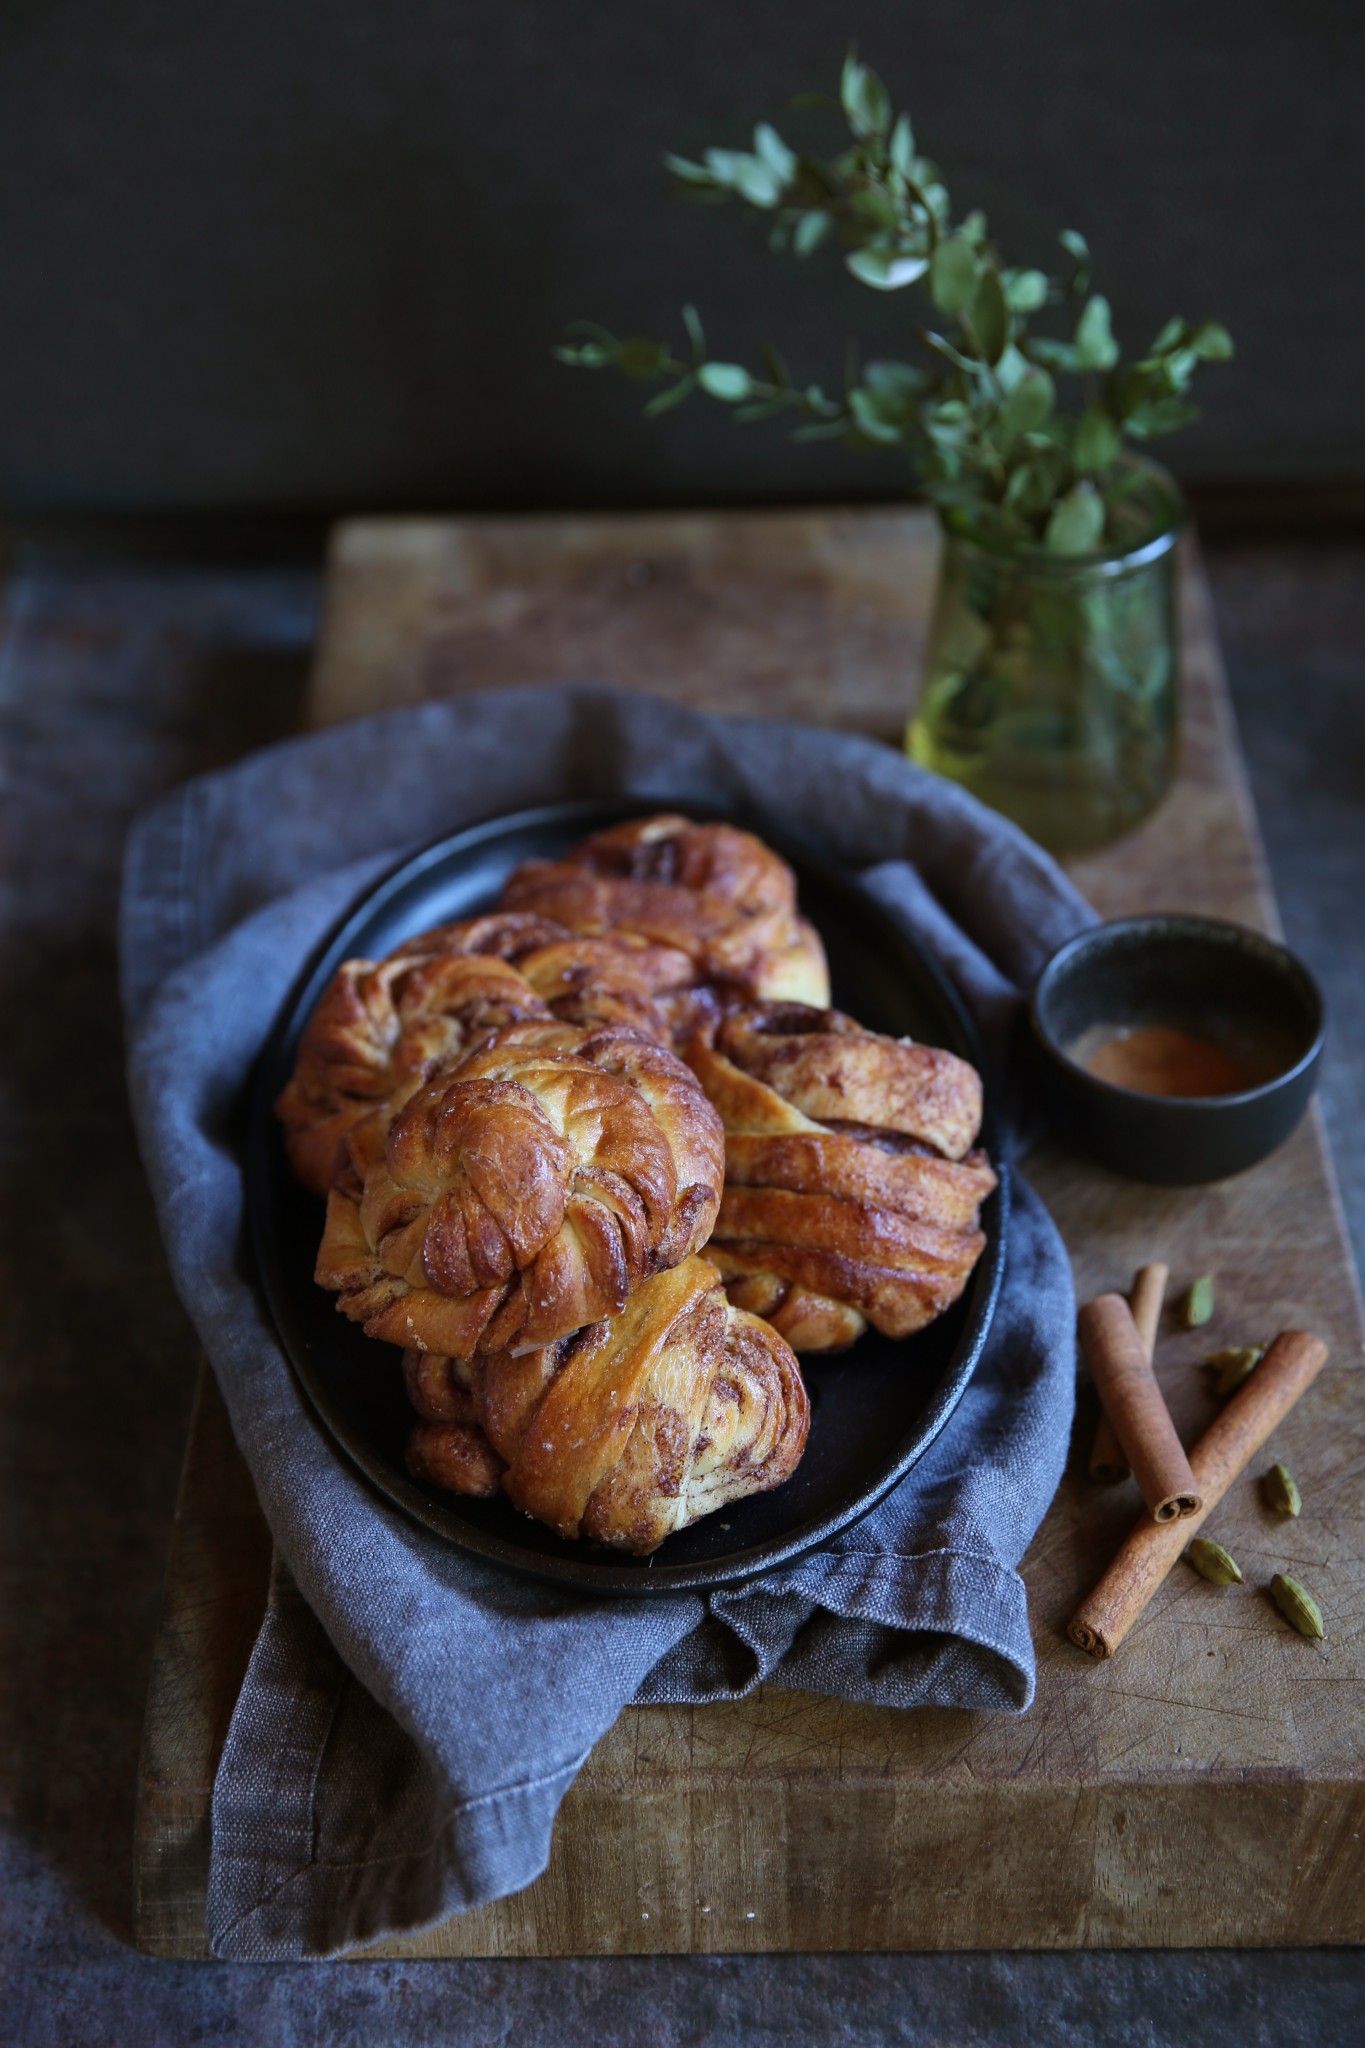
[[1216, 1738], [214, 1598], [820, 616]]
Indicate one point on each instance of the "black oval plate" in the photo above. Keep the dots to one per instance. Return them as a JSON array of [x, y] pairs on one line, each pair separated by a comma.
[[875, 1408]]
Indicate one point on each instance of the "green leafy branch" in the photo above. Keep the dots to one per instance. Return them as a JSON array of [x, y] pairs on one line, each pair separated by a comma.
[[975, 403]]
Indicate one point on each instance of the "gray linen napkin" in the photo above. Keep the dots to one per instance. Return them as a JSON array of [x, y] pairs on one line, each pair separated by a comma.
[[411, 1719]]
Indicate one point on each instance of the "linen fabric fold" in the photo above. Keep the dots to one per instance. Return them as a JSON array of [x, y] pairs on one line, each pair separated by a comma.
[[411, 1718]]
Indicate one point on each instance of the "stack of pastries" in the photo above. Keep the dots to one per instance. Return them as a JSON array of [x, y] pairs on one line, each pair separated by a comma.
[[601, 1161]]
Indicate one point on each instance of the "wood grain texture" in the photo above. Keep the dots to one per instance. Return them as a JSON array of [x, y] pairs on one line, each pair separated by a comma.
[[216, 1580], [820, 616], [1207, 1786]]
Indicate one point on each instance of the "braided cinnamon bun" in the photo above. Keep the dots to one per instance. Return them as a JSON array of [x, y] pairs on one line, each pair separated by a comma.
[[628, 1430], [524, 1191], [381, 1028], [715, 893], [851, 1186]]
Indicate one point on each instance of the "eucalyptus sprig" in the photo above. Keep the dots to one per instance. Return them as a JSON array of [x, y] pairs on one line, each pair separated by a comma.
[[975, 400]]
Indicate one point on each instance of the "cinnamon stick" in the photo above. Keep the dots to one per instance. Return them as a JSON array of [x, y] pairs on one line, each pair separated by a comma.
[[1122, 1370], [1107, 1462], [1148, 1293], [1221, 1455]]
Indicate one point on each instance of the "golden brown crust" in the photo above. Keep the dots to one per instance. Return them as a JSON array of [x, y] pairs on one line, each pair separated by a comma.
[[456, 1457], [829, 1223], [716, 893], [831, 1069], [849, 1169], [382, 1028], [444, 1389], [642, 1423], [810, 1321], [498, 934], [616, 979], [378, 1029], [896, 1299], [525, 1191]]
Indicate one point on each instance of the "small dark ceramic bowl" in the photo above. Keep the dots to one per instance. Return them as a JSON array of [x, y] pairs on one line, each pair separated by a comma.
[[1230, 988]]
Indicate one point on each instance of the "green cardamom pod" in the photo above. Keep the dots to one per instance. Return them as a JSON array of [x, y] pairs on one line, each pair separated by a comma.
[[1297, 1605], [1199, 1302], [1280, 1491], [1213, 1563], [1233, 1365]]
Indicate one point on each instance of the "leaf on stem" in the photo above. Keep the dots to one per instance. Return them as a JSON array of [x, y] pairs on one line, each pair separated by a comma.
[[810, 232], [1027, 406], [871, 418], [768, 145], [1025, 290], [749, 176], [1159, 416], [865, 101], [1012, 368], [886, 270], [894, 380], [953, 274], [774, 365], [1097, 440], [728, 381], [687, 172], [1096, 348], [1078, 249], [1054, 354], [873, 208], [585, 355], [1032, 486], [695, 333], [821, 430], [1077, 521], [990, 316], [1211, 342], [674, 394]]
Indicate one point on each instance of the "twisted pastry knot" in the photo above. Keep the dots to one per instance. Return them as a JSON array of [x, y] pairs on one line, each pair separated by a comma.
[[718, 894], [626, 1431], [524, 1192], [382, 1028], [851, 1189]]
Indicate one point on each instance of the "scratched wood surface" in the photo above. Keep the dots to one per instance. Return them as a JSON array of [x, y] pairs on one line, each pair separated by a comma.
[[1205, 1787]]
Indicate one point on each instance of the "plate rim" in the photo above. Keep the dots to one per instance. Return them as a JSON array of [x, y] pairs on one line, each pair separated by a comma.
[[595, 1573]]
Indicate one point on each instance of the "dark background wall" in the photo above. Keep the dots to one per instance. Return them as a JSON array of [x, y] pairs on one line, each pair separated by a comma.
[[282, 253]]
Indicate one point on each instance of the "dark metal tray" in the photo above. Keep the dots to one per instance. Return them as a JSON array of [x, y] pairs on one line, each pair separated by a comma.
[[875, 1409]]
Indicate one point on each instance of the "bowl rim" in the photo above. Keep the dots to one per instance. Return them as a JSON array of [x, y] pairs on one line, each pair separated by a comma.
[[1159, 925]]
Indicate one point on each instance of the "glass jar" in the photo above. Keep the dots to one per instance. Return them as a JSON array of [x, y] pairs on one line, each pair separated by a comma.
[[1050, 686]]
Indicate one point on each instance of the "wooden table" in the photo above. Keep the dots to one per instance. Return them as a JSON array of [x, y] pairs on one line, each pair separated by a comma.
[[1207, 1786]]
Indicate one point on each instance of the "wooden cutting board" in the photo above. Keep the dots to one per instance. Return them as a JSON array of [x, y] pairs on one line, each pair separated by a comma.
[[1205, 1787]]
